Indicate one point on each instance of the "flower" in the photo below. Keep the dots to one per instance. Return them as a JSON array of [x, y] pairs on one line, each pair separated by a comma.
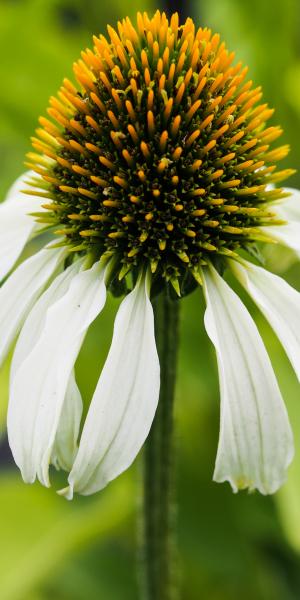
[[154, 171]]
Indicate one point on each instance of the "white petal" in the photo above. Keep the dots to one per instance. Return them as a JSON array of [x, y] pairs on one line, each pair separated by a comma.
[[36, 319], [287, 235], [288, 210], [20, 291], [20, 184], [16, 224], [39, 387], [65, 445], [256, 443], [125, 400], [278, 301]]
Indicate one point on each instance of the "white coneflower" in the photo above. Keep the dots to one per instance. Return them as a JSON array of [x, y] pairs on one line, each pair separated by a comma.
[[155, 172]]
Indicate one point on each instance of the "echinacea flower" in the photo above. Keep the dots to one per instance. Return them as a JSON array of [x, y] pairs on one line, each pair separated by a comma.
[[151, 174]]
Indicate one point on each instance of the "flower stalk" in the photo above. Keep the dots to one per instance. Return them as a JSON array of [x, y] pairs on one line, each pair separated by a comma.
[[159, 555]]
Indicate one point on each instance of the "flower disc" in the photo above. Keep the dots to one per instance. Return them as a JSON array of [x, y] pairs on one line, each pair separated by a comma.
[[162, 155]]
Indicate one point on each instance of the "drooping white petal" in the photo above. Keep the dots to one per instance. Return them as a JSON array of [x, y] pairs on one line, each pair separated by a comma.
[[65, 445], [125, 400], [20, 184], [256, 443], [39, 387], [20, 291], [289, 208], [16, 224], [36, 319], [278, 301], [289, 211], [287, 235]]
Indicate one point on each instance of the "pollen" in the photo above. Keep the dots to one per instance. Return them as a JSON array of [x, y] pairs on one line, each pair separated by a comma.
[[160, 153]]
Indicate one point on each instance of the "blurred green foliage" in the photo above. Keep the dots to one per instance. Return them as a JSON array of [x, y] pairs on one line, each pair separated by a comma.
[[231, 546]]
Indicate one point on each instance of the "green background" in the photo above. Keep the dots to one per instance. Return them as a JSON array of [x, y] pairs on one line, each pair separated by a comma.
[[231, 546]]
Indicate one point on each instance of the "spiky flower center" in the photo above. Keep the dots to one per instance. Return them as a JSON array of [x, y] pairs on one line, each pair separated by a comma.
[[163, 155]]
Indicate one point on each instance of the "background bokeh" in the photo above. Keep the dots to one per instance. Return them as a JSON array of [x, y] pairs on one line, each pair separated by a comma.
[[231, 546]]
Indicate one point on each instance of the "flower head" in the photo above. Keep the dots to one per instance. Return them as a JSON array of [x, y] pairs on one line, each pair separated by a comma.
[[160, 154], [157, 163]]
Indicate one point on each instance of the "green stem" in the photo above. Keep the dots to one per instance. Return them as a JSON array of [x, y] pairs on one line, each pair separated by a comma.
[[159, 555]]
